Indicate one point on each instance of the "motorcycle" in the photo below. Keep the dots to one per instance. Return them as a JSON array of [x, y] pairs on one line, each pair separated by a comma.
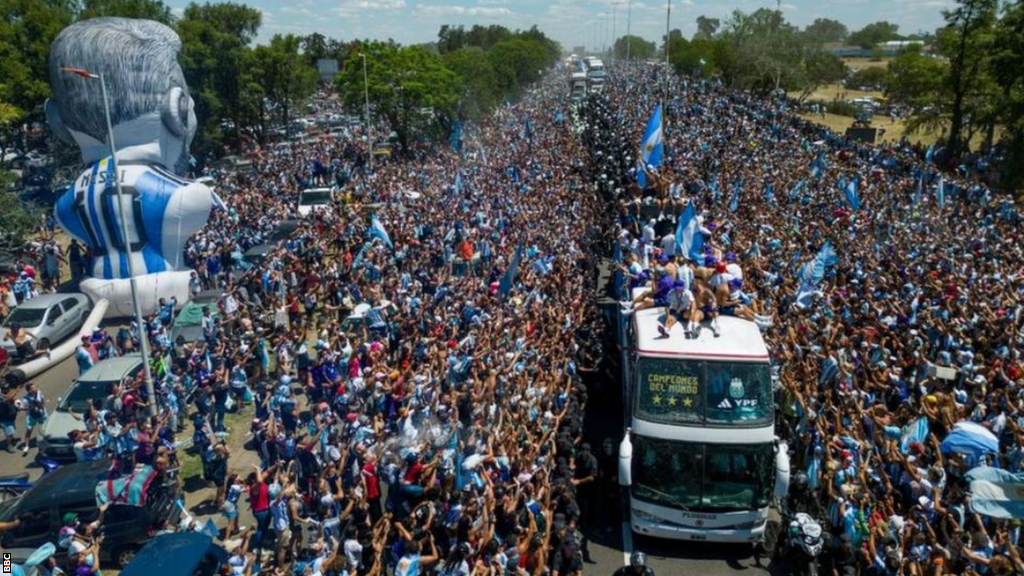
[[802, 544]]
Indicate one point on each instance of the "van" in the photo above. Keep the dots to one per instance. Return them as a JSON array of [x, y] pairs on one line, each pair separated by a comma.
[[72, 489]]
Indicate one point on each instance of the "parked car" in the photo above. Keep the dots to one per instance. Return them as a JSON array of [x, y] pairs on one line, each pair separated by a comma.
[[181, 554], [95, 384], [314, 199], [72, 488], [50, 318]]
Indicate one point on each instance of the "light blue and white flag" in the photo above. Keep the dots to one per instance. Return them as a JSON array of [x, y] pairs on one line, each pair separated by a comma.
[[689, 241], [734, 200], [715, 192], [929, 156], [377, 231], [996, 493], [769, 193], [850, 189], [797, 189], [652, 147], [940, 192]]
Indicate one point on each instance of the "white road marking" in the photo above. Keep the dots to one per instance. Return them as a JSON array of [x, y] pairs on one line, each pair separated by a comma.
[[627, 543]]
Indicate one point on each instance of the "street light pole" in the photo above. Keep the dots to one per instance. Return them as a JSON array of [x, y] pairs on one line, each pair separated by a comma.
[[629, 29], [366, 94], [125, 242], [668, 17]]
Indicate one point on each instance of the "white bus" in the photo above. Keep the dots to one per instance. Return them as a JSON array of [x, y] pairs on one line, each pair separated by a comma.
[[699, 460]]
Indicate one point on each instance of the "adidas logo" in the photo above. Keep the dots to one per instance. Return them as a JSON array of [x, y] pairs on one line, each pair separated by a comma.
[[725, 404]]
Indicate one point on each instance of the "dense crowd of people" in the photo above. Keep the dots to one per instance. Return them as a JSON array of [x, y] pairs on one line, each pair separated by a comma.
[[891, 305], [414, 355]]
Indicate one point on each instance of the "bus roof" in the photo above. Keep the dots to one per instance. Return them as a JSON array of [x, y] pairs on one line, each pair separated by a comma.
[[739, 340]]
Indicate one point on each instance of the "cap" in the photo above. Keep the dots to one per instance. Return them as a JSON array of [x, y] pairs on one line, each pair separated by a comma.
[[70, 518]]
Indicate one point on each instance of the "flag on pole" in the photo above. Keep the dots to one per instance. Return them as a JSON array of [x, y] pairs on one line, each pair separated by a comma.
[[509, 278], [797, 189], [528, 129], [734, 201], [377, 230], [456, 139], [818, 165], [929, 156], [457, 187], [715, 192], [689, 241], [651, 148], [940, 192], [851, 192]]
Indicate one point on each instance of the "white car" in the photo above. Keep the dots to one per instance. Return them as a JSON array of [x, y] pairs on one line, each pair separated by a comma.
[[314, 199]]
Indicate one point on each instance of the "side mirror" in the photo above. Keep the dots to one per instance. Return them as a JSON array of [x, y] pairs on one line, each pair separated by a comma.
[[626, 460], [781, 470]]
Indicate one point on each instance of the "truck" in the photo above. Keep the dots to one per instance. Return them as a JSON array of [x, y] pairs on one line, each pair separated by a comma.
[[578, 85], [699, 459], [596, 74]]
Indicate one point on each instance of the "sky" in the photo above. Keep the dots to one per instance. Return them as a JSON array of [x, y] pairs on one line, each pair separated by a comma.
[[593, 23]]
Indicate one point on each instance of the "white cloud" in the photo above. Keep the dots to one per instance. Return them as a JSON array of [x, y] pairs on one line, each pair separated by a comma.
[[374, 4], [451, 10], [493, 2]]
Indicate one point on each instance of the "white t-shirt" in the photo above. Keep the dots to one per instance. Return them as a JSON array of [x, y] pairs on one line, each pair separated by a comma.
[[735, 270], [353, 552], [668, 244]]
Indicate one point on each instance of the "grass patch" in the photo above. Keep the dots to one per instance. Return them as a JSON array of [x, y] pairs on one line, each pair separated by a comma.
[[192, 463]]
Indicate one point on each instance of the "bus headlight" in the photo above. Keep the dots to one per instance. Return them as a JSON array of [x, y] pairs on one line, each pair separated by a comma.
[[646, 516]]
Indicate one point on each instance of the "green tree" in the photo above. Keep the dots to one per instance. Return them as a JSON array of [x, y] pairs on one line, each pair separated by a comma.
[[408, 86], [874, 34], [1007, 66], [821, 68], [696, 57], [706, 27], [915, 79], [314, 47], [216, 60], [283, 74], [143, 9], [517, 62], [767, 52], [477, 78], [870, 78], [634, 46], [27, 27], [967, 41], [825, 30], [17, 220]]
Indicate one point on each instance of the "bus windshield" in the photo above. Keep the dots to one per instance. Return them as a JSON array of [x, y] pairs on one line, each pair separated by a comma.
[[691, 475], [675, 391]]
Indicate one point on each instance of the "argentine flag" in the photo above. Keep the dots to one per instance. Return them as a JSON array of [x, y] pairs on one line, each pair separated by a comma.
[[377, 230], [689, 241], [852, 194], [940, 192], [651, 148]]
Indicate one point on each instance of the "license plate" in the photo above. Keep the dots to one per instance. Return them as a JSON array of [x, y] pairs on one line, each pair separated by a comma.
[[698, 537]]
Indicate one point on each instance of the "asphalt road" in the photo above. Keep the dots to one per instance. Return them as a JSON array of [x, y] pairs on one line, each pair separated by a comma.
[[52, 383]]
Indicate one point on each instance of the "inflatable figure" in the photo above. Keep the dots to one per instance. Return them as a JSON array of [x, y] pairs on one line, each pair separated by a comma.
[[153, 122]]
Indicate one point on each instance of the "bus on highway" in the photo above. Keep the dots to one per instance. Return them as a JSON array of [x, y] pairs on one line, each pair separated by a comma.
[[699, 460]]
